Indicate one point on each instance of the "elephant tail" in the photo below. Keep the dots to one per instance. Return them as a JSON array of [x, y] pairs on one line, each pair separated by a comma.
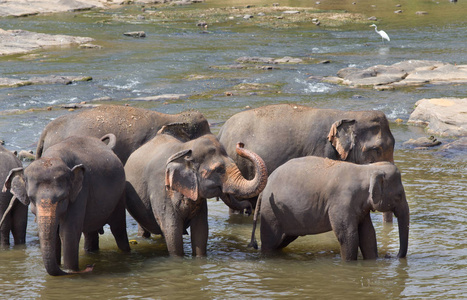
[[112, 140], [253, 243]]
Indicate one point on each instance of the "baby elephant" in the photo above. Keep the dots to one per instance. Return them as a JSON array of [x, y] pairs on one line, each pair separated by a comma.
[[76, 187], [312, 195]]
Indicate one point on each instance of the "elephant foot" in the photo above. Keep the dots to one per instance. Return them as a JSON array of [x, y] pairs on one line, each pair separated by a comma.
[[88, 269]]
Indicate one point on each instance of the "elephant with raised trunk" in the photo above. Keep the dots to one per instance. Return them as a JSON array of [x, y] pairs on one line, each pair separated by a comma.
[[311, 195], [13, 214], [278, 133], [170, 177], [132, 126], [76, 187]]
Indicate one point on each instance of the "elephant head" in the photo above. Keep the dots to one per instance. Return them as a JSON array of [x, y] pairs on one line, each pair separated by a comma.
[[386, 194], [204, 170], [50, 187], [364, 140]]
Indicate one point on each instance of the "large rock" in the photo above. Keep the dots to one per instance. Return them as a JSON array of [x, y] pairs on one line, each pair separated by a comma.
[[401, 74], [455, 149], [21, 8], [23, 41], [442, 116]]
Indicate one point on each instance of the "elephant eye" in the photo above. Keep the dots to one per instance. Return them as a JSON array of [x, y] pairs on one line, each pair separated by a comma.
[[220, 170]]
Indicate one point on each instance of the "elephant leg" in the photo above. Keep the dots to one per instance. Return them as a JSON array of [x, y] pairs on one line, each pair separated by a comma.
[[143, 232], [388, 216], [346, 232], [19, 224], [286, 240], [271, 235], [70, 251], [199, 231], [117, 222], [367, 239], [5, 232], [91, 241]]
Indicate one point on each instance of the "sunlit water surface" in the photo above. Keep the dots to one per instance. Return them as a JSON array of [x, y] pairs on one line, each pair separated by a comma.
[[165, 63]]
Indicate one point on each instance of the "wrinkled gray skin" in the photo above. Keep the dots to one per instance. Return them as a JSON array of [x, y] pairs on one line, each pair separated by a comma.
[[77, 186], [170, 177], [17, 218], [132, 126], [278, 133], [312, 195]]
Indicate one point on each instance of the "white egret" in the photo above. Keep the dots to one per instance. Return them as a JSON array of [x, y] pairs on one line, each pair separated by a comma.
[[384, 35]]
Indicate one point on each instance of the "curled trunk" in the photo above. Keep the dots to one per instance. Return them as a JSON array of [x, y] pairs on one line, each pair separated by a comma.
[[237, 185], [403, 219]]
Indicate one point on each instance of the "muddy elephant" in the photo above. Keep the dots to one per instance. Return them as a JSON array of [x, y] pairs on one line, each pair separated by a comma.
[[13, 214], [76, 187], [278, 133], [132, 126], [170, 177], [311, 195]]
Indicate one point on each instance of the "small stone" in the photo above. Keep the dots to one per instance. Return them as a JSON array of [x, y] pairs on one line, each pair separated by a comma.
[[398, 11], [291, 12], [398, 5], [421, 13], [275, 4], [135, 34], [373, 18], [247, 17]]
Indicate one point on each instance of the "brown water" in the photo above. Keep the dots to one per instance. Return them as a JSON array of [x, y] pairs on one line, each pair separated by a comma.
[[165, 62]]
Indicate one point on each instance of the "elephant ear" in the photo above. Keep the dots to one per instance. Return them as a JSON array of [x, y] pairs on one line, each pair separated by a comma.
[[342, 137], [17, 185], [376, 188], [77, 181], [177, 130], [180, 175]]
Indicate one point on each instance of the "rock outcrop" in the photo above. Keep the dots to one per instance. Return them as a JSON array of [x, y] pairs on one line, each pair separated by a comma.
[[441, 116], [401, 74], [23, 41]]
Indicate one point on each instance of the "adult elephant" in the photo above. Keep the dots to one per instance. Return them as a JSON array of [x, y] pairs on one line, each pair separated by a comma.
[[132, 126], [170, 177], [76, 187], [14, 214], [278, 133], [311, 195]]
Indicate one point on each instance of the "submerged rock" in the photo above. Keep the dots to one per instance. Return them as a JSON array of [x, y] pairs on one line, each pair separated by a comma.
[[443, 116], [52, 79], [422, 143], [457, 148], [136, 34]]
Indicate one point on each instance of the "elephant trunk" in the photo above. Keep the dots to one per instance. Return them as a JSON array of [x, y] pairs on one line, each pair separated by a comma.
[[235, 182], [48, 234], [234, 204], [403, 219]]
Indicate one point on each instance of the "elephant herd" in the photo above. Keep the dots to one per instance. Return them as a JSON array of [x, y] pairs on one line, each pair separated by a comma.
[[305, 170]]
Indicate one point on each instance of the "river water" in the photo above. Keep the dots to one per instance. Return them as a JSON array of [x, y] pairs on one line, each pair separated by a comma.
[[177, 58]]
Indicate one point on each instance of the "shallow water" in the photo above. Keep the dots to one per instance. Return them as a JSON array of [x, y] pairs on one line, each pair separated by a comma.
[[171, 60]]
